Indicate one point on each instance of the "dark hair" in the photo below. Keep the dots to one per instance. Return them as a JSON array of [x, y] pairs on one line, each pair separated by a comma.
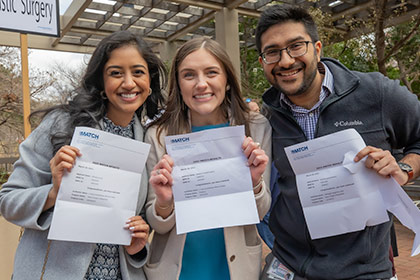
[[175, 119], [88, 107], [281, 13]]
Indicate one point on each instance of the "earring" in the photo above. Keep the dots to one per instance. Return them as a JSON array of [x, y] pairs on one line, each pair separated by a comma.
[[103, 95], [227, 87], [150, 91]]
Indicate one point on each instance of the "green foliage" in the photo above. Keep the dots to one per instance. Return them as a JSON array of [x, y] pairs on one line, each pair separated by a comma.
[[353, 54], [252, 76], [254, 82], [3, 177], [408, 56], [393, 73]]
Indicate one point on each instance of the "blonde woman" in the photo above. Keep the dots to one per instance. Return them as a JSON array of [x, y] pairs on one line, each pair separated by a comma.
[[204, 94]]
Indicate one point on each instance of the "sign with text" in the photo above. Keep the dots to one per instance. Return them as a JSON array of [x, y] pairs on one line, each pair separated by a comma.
[[30, 16]]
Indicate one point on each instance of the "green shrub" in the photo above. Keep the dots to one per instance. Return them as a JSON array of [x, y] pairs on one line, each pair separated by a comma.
[[3, 177]]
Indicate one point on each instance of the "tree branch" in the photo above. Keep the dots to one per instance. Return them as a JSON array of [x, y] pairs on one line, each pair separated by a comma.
[[400, 43]]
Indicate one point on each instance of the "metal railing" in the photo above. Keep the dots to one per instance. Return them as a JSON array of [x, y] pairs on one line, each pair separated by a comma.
[[413, 189], [6, 163]]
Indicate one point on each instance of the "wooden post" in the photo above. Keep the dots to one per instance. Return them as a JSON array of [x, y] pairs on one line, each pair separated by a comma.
[[25, 83]]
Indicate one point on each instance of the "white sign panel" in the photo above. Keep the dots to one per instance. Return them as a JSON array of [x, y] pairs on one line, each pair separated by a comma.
[[30, 16]]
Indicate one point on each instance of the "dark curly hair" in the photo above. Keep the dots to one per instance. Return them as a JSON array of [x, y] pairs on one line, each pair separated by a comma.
[[87, 106]]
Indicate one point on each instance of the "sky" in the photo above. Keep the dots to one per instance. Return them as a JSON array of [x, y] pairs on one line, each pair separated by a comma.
[[45, 60]]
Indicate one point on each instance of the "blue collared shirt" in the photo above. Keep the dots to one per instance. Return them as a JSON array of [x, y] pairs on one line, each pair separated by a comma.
[[308, 118]]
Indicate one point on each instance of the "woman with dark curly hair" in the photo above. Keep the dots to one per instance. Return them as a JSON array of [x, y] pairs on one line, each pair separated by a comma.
[[120, 92]]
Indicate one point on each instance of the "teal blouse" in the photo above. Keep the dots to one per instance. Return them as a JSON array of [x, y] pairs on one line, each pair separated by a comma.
[[204, 254]]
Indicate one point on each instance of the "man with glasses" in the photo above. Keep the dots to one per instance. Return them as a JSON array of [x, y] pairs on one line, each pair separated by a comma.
[[311, 97]]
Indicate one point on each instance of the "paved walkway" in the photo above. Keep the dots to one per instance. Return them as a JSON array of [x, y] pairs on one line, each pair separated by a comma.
[[407, 267], [9, 235]]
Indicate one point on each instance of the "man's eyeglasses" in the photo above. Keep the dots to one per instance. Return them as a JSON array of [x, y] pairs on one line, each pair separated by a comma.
[[294, 50]]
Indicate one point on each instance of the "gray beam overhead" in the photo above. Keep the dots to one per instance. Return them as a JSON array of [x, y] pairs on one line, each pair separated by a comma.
[[86, 22]]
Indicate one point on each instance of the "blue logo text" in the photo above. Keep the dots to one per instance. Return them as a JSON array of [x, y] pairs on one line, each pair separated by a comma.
[[180, 140], [89, 134], [300, 149]]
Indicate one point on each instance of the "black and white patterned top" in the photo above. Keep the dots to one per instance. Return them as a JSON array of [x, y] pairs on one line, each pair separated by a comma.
[[105, 263], [126, 131]]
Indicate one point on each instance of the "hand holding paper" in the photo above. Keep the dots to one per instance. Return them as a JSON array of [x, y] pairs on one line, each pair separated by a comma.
[[257, 159], [339, 195], [140, 234], [100, 193], [62, 161], [162, 181], [212, 184], [383, 162]]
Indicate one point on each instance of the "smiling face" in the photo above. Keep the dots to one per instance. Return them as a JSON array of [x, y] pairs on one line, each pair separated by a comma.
[[202, 81], [296, 77], [126, 83]]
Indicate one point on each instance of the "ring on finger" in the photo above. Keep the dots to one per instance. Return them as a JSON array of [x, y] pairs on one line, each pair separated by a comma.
[[157, 171], [258, 144]]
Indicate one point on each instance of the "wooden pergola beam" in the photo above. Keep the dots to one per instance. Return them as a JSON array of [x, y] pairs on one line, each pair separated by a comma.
[[70, 17]]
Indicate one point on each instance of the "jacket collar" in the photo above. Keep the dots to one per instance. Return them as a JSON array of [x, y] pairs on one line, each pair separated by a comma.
[[344, 79]]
